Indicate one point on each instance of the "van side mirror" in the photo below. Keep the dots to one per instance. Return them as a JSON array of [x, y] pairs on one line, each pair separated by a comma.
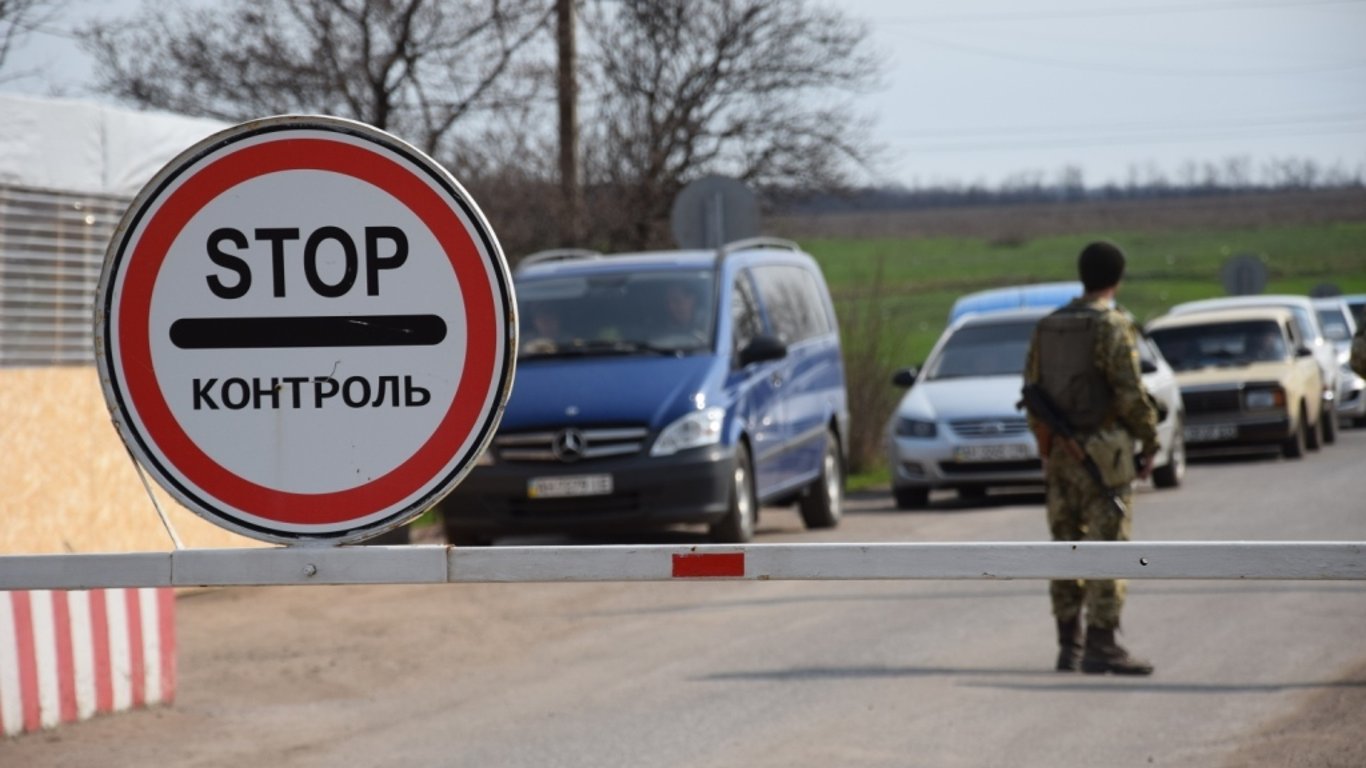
[[1304, 351], [762, 348], [905, 377], [1147, 366]]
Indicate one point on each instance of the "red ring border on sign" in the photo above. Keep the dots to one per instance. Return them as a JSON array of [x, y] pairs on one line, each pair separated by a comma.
[[162, 428]]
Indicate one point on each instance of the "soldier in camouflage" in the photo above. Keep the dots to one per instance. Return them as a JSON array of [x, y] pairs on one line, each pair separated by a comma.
[[1358, 361], [1085, 357]]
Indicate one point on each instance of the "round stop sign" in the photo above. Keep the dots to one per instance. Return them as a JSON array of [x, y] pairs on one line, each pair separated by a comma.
[[304, 330]]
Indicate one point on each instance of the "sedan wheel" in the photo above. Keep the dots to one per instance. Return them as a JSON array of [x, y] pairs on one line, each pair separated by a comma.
[[1169, 475]]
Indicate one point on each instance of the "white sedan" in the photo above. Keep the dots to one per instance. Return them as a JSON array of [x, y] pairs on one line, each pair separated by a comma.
[[958, 425]]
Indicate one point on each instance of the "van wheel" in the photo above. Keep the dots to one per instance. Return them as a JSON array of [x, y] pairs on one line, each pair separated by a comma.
[[823, 504], [911, 498], [1293, 447], [1169, 475], [737, 527]]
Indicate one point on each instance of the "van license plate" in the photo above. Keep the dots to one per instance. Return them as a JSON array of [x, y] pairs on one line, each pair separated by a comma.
[[1208, 433], [997, 452], [568, 485]]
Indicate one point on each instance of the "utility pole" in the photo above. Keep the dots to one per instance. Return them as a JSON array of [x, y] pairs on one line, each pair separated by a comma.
[[571, 228]]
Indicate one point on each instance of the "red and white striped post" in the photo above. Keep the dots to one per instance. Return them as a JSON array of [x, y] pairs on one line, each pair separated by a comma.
[[70, 655]]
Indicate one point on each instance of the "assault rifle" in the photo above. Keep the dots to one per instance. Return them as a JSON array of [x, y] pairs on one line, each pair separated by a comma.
[[1038, 403]]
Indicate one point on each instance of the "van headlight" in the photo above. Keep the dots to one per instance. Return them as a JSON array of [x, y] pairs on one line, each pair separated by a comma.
[[694, 430]]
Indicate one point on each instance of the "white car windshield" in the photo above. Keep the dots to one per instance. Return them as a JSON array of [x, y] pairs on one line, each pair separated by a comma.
[[644, 312], [983, 349], [1334, 323]]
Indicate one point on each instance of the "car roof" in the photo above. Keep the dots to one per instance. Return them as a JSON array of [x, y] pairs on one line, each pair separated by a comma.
[[1026, 314], [1048, 295], [1230, 315], [1225, 302], [591, 263], [575, 261], [1331, 302]]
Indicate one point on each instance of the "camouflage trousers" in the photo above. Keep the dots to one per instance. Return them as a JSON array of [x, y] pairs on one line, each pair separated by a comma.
[[1079, 511]]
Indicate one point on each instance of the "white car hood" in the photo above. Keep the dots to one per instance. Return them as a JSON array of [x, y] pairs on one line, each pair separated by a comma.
[[966, 398]]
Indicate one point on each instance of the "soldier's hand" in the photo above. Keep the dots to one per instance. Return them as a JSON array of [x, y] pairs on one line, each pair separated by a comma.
[[1145, 470]]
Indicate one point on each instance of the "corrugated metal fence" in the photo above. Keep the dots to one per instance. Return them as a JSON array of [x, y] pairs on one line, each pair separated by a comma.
[[52, 246]]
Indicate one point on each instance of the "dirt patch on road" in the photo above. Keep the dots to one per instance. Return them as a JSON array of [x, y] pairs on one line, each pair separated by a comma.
[[1313, 736]]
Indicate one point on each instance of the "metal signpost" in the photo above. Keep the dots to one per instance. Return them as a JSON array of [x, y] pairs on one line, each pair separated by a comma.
[[304, 330]]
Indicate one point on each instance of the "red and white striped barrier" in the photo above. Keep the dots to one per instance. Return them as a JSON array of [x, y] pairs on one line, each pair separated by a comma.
[[70, 655]]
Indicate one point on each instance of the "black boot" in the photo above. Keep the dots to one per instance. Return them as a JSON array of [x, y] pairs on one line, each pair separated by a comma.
[[1069, 644], [1103, 655]]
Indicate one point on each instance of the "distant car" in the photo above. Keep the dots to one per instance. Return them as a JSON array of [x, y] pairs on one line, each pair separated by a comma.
[[1247, 377], [1357, 303], [662, 388], [1339, 324], [1310, 334], [958, 426]]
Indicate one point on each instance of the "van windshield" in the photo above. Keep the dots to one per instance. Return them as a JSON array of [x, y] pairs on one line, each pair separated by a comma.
[[1222, 344], [995, 349], [652, 312]]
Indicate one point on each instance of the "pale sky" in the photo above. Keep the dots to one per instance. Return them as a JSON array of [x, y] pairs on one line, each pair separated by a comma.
[[983, 90]]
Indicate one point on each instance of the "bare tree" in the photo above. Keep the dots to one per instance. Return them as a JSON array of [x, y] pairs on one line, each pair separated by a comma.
[[755, 89], [413, 67], [20, 18]]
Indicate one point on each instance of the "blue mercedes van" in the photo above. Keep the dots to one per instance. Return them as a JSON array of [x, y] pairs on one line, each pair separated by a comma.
[[662, 388]]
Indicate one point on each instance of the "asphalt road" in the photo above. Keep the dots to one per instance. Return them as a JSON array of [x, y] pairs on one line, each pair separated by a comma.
[[759, 674]]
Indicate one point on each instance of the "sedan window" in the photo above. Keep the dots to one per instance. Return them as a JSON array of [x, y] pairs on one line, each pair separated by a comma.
[[1222, 344], [995, 349]]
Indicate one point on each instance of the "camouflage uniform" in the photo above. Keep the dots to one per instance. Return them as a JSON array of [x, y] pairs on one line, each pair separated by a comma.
[[1077, 509], [1358, 362]]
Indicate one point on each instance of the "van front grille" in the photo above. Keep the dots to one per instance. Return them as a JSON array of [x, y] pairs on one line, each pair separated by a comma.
[[571, 444]]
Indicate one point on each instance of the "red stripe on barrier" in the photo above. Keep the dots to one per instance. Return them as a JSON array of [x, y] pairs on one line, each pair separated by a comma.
[[28, 660], [137, 663], [166, 624], [709, 565], [99, 638], [66, 656]]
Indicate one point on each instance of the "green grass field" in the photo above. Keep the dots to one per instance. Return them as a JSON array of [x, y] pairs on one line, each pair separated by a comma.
[[893, 295], [915, 281]]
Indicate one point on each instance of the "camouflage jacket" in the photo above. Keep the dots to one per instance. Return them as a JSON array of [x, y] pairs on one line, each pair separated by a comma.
[[1358, 362], [1116, 357]]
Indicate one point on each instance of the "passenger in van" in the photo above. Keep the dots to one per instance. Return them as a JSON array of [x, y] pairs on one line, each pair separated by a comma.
[[682, 320], [544, 332]]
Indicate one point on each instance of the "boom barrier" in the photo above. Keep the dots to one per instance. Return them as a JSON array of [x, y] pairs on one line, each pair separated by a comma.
[[433, 564]]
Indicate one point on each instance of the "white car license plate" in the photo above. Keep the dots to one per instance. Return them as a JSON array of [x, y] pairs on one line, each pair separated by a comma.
[[994, 452], [568, 485], [1208, 433]]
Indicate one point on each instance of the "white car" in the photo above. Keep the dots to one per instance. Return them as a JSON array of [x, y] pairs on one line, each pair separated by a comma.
[[958, 425], [1339, 324], [1307, 319]]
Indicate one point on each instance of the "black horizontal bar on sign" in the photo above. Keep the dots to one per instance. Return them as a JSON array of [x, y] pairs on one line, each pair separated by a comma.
[[315, 331]]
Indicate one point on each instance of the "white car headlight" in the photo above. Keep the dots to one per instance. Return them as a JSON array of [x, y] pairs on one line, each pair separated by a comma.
[[694, 430], [922, 428]]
